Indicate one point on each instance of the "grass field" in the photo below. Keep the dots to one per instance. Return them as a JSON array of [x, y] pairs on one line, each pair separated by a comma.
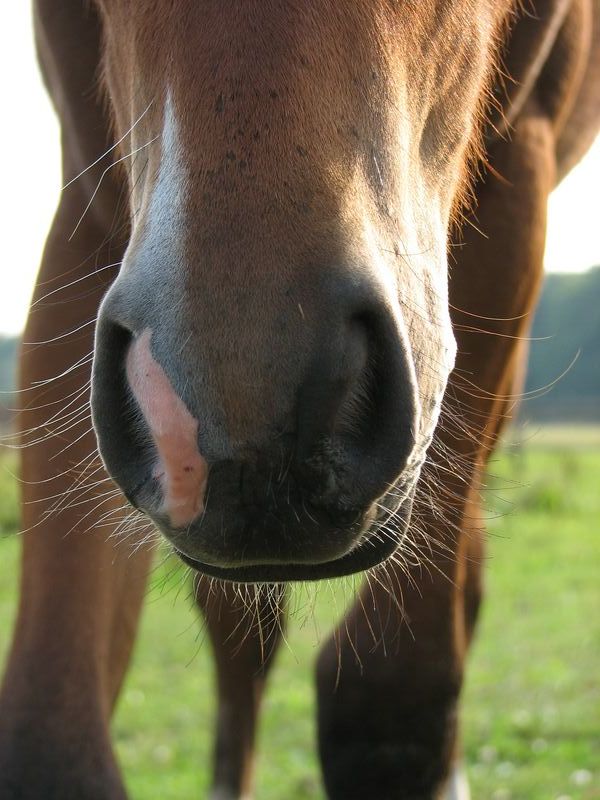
[[532, 700]]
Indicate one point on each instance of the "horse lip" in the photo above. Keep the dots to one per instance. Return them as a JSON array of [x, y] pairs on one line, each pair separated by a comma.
[[368, 552], [369, 549]]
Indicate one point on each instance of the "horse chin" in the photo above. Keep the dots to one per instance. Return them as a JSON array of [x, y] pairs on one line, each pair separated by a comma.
[[375, 546]]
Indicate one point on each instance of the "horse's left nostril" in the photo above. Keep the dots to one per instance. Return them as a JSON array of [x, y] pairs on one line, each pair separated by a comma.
[[357, 414], [325, 397]]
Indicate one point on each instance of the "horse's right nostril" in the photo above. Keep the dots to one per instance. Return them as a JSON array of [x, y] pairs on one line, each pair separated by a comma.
[[113, 413], [147, 437], [179, 469], [357, 415]]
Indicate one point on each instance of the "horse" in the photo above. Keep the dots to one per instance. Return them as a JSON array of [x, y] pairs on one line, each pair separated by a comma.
[[289, 277]]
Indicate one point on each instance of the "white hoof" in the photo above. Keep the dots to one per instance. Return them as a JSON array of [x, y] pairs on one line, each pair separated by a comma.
[[226, 794], [458, 787]]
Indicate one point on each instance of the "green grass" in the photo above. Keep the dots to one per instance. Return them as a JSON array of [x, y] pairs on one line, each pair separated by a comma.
[[532, 701]]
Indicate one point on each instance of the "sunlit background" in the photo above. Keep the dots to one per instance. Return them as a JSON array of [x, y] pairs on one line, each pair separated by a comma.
[[31, 179]]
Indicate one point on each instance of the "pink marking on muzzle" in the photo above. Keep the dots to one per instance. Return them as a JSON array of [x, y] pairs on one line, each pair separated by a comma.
[[181, 469]]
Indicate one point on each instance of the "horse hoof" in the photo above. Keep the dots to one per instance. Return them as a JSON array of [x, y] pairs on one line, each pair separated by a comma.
[[458, 788], [227, 794]]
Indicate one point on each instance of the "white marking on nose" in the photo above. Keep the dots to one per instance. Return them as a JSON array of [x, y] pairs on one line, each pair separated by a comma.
[[180, 468], [166, 206], [159, 205]]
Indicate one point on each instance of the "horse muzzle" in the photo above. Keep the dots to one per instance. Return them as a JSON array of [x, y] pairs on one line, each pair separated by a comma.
[[310, 498]]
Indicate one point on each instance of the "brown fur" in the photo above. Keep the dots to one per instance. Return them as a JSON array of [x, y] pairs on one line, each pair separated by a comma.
[[388, 695]]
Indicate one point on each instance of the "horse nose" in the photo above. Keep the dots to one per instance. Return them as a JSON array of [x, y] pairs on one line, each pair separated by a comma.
[[357, 412], [345, 412]]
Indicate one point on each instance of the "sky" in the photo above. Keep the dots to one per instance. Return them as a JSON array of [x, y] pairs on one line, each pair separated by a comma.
[[30, 179]]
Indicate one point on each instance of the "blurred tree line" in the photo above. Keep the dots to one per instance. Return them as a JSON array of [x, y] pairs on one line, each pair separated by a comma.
[[8, 373], [563, 376]]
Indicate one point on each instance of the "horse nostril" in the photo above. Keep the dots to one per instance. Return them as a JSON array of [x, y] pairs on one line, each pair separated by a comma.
[[113, 414], [358, 413], [356, 422], [179, 467], [147, 437], [325, 398]]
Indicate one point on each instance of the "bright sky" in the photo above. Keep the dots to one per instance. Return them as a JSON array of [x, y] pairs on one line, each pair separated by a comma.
[[30, 179]]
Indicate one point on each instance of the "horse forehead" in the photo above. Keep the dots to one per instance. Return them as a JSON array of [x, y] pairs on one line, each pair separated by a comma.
[[317, 46], [311, 78], [376, 21]]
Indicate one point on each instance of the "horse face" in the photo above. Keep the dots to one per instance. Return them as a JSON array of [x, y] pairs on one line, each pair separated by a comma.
[[270, 361]]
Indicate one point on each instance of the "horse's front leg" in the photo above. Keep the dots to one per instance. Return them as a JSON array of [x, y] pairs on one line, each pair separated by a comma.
[[245, 625], [81, 591], [389, 680], [388, 687]]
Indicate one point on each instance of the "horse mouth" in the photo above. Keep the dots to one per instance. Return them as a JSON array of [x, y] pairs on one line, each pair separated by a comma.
[[374, 546], [281, 535]]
